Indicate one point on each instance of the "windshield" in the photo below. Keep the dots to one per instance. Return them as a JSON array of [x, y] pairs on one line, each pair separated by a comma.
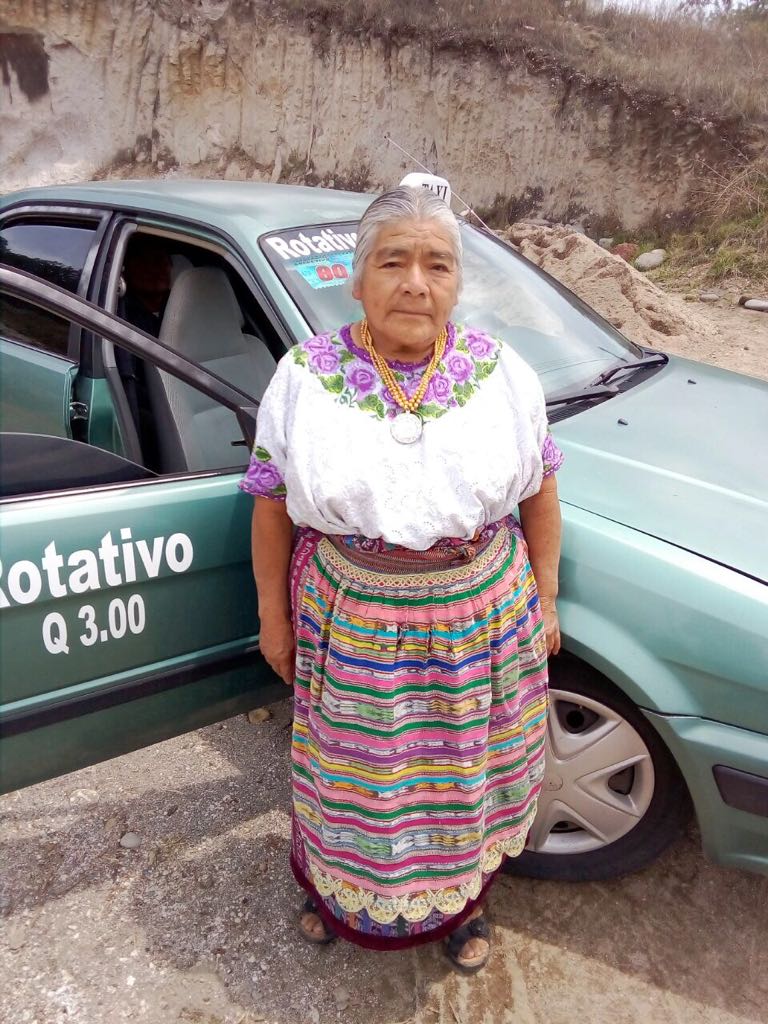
[[560, 337]]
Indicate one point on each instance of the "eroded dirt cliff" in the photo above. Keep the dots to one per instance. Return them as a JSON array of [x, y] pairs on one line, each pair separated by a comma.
[[217, 88]]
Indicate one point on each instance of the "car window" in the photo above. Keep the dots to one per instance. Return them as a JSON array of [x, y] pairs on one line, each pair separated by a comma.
[[194, 301], [29, 325], [56, 252]]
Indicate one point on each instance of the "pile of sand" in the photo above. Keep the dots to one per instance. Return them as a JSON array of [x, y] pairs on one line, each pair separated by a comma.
[[625, 297]]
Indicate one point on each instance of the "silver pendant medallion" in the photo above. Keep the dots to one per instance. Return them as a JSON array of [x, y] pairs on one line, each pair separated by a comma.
[[406, 427]]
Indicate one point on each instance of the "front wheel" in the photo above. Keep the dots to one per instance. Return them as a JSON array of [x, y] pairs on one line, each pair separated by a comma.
[[613, 798]]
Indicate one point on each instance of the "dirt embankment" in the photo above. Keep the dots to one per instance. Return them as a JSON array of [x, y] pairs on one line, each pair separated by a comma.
[[722, 333], [226, 88]]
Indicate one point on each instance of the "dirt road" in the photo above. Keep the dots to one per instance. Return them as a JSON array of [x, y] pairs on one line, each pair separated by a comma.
[[196, 924]]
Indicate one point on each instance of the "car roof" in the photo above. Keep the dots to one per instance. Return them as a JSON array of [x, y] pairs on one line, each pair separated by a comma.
[[251, 205]]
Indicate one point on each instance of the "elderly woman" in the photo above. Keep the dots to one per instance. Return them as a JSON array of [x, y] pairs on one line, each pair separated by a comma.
[[409, 610]]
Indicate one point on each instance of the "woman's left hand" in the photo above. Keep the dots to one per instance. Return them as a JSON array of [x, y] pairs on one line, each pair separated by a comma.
[[551, 625]]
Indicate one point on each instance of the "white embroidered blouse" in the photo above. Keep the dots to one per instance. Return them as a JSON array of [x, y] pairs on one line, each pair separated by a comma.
[[323, 441]]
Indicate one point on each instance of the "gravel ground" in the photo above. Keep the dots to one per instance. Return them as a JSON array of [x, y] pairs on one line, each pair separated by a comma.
[[196, 922]]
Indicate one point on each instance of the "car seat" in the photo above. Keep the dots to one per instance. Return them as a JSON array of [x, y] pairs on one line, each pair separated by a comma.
[[203, 322]]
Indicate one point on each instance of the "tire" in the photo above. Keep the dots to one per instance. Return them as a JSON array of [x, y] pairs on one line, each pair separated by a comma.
[[636, 812]]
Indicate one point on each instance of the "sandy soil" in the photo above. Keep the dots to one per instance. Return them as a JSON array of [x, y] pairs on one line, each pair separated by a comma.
[[741, 342], [196, 924], [722, 332]]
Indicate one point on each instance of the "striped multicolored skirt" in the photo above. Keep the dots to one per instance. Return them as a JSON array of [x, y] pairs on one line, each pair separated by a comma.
[[418, 736]]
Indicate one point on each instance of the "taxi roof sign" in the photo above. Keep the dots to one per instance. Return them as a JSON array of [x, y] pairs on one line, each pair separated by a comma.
[[440, 186]]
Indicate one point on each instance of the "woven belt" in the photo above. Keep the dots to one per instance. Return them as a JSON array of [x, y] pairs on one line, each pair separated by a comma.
[[402, 560]]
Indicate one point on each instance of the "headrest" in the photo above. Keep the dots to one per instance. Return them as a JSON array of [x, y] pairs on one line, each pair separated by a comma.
[[202, 318]]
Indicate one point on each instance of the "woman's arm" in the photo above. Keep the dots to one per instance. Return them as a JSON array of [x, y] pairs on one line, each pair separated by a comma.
[[271, 541], [541, 522]]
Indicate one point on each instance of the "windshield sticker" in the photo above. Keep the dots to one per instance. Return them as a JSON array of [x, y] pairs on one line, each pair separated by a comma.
[[290, 244], [324, 273]]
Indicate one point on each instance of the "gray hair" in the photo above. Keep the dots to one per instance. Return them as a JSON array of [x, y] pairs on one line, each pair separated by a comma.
[[404, 203]]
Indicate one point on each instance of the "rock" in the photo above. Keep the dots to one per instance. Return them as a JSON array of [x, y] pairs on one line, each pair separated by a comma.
[[710, 296], [83, 796], [130, 840], [605, 243], [627, 250], [651, 260], [259, 715], [342, 997], [761, 305], [15, 936], [578, 228]]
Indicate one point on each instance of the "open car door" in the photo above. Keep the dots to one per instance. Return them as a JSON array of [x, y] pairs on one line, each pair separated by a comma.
[[127, 605]]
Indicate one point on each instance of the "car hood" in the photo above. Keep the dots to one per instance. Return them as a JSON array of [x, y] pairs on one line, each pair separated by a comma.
[[683, 457]]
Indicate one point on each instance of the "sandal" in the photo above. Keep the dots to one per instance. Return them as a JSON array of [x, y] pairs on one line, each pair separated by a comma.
[[476, 928], [310, 907]]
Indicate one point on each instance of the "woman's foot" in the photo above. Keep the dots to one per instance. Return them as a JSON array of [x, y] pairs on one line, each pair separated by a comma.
[[312, 927], [469, 946]]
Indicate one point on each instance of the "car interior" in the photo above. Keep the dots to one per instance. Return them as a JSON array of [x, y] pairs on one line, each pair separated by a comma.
[[195, 303]]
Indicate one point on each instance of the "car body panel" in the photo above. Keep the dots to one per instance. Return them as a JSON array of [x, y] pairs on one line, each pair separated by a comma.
[[676, 633], [649, 458], [31, 379], [729, 836]]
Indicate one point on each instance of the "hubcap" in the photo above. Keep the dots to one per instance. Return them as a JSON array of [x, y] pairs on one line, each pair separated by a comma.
[[599, 778]]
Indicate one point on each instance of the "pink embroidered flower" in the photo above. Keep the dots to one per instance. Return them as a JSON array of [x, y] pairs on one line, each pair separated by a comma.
[[322, 343], [459, 367], [479, 344], [325, 362], [439, 389], [262, 477], [362, 379]]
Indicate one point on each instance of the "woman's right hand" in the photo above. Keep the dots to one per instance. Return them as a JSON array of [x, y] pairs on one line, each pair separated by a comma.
[[276, 643]]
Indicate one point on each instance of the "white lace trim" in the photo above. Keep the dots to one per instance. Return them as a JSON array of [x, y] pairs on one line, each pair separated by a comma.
[[416, 906]]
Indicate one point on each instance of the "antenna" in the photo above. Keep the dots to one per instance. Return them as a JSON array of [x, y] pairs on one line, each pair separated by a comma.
[[388, 138]]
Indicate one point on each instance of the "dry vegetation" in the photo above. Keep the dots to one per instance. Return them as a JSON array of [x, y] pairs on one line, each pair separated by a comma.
[[718, 68], [729, 238]]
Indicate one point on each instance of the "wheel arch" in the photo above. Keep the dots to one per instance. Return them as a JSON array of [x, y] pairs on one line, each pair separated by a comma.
[[612, 650]]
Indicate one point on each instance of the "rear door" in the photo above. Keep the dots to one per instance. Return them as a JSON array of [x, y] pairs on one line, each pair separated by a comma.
[[127, 606], [40, 354]]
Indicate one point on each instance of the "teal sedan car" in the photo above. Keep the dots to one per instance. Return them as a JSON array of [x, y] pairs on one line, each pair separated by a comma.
[[140, 323]]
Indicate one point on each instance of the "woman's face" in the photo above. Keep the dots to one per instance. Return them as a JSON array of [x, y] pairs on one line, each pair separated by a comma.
[[409, 283]]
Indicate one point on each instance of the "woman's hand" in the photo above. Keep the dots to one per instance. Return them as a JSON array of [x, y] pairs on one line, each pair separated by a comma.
[[276, 643], [551, 625]]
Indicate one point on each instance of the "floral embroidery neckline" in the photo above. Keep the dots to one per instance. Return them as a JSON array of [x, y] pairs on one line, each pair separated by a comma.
[[345, 370]]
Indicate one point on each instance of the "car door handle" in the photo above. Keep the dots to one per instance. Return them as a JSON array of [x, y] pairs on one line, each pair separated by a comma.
[[242, 443]]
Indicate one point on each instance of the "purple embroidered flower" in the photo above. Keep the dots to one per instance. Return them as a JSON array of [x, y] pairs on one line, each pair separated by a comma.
[[551, 456], [325, 362], [362, 379], [459, 367], [263, 477], [439, 389], [322, 343], [479, 344]]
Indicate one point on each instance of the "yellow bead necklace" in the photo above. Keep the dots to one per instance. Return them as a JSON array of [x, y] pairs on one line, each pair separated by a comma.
[[407, 425]]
